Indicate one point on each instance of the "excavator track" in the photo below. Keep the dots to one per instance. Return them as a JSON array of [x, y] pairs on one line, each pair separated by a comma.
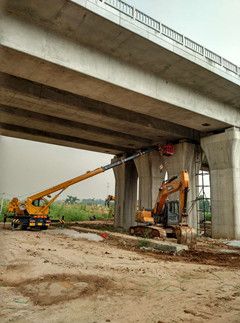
[[149, 232]]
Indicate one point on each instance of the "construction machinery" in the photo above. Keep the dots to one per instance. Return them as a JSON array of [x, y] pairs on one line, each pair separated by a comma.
[[108, 199], [167, 217], [33, 212]]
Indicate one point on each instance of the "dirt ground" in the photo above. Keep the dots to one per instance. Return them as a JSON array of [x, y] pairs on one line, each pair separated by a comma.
[[49, 276]]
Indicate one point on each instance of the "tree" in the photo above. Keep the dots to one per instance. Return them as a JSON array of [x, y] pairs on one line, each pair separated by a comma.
[[71, 199]]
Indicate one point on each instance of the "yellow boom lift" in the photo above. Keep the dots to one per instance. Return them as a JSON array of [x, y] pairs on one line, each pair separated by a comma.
[[34, 211]]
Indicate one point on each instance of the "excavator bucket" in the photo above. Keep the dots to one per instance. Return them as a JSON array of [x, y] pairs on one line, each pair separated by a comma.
[[186, 235]]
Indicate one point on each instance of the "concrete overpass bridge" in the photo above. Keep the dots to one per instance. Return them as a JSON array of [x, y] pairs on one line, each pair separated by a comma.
[[104, 76]]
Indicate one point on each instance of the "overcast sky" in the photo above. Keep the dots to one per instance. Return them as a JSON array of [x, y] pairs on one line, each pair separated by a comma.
[[26, 167]]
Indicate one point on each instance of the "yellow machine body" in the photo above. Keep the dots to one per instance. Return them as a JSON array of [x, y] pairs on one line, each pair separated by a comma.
[[144, 217], [153, 223]]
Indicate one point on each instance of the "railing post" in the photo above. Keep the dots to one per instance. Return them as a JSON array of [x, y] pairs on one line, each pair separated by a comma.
[[134, 12]]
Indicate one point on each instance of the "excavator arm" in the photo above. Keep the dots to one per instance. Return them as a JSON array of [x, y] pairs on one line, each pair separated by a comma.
[[169, 187]]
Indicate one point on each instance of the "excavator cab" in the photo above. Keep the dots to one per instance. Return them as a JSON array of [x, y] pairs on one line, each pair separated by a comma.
[[170, 214]]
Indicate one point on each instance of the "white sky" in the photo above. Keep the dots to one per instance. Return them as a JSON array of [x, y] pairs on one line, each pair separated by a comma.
[[27, 167]]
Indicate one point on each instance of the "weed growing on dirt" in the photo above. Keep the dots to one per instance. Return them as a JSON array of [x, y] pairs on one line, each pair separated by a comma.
[[143, 243]]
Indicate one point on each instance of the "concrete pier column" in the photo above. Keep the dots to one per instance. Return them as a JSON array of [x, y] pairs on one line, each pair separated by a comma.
[[186, 157], [126, 194], [150, 178], [223, 154]]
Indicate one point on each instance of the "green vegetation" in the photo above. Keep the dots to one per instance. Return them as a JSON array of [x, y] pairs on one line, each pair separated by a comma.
[[71, 199], [78, 212], [4, 210], [73, 212], [143, 243], [208, 216], [205, 207]]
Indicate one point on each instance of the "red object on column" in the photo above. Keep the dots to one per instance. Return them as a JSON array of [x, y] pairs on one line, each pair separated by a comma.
[[168, 150]]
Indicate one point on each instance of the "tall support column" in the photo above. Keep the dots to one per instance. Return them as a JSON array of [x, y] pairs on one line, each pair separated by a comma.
[[223, 154], [126, 194], [150, 176], [185, 158]]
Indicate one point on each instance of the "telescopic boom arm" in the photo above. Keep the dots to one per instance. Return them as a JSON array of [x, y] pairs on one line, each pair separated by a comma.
[[89, 174]]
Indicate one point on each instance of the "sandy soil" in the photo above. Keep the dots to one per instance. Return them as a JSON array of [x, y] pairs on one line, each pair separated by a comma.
[[51, 277]]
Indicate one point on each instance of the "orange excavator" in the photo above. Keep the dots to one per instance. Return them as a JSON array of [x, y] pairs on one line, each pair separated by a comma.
[[34, 211], [167, 217]]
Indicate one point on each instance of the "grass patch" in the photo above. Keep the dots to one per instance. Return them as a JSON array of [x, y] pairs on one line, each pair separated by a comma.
[[78, 212], [143, 243], [73, 212]]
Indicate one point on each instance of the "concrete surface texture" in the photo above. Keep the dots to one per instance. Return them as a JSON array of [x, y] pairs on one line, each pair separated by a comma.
[[150, 178], [126, 194], [186, 157], [114, 66], [223, 153]]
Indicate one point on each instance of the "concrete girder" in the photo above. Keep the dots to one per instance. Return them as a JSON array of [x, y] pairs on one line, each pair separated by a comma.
[[223, 154], [57, 139], [118, 35], [32, 96], [75, 67], [34, 120]]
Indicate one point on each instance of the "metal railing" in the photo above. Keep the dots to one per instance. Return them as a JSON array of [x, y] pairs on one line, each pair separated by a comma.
[[170, 33], [229, 66], [146, 20], [213, 56], [195, 47], [120, 6]]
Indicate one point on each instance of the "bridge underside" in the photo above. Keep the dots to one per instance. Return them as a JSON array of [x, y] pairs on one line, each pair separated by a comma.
[[34, 111]]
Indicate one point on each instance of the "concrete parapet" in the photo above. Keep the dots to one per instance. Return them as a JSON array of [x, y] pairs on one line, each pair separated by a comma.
[[223, 154]]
